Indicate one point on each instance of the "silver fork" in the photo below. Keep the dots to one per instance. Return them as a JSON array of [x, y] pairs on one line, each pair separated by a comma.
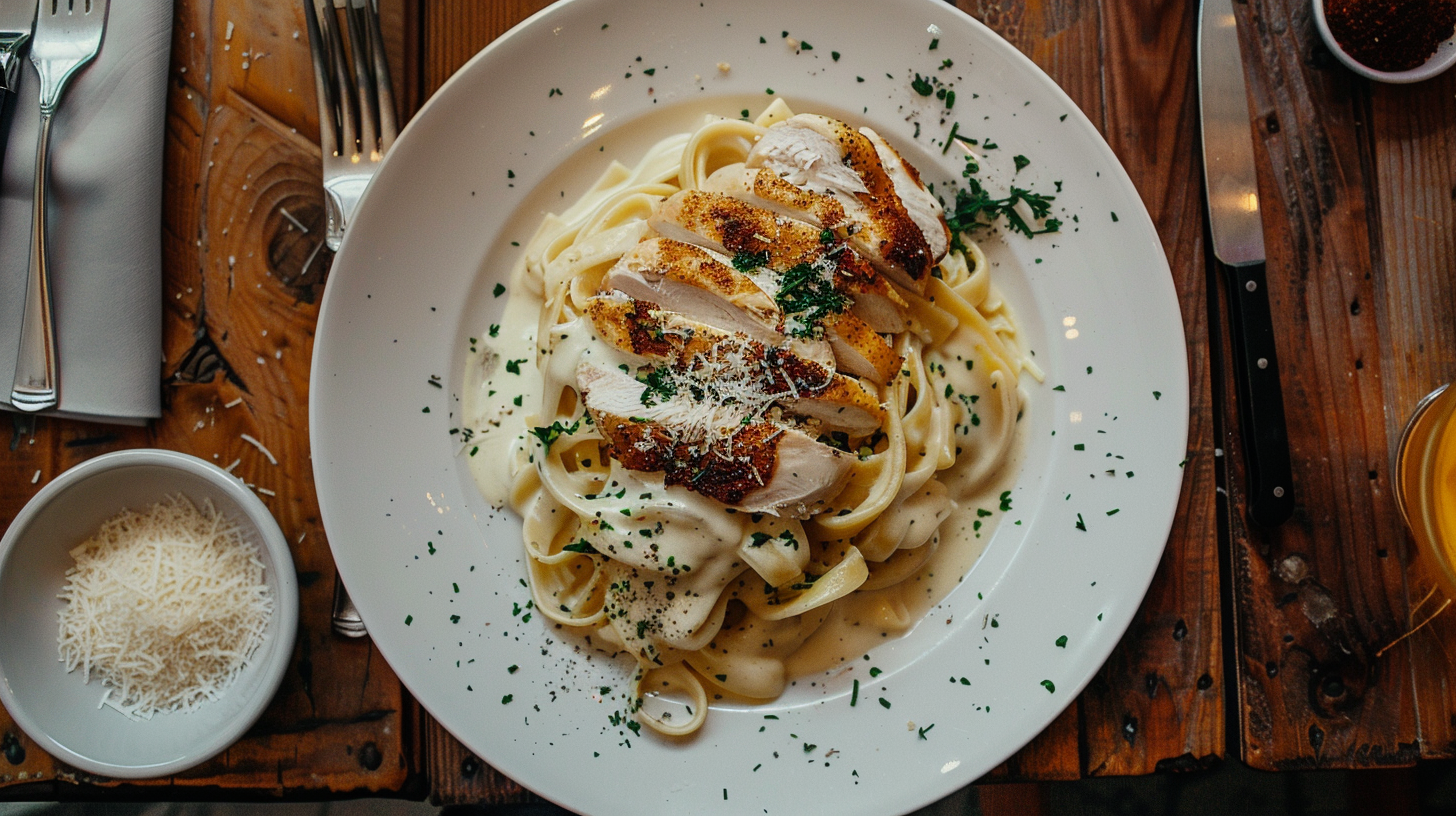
[[356, 116], [356, 126], [67, 36]]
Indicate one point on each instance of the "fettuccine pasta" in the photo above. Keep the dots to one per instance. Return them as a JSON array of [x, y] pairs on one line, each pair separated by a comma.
[[761, 375]]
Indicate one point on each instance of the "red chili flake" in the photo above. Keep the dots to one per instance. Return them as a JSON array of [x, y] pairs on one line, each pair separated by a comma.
[[1391, 35]]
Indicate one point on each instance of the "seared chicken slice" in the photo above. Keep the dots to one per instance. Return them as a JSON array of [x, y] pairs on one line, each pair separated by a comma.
[[800, 148], [923, 208], [740, 368], [859, 350], [687, 279], [764, 188], [736, 228], [760, 467]]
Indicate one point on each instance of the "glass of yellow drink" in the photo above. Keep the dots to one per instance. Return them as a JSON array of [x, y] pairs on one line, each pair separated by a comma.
[[1425, 490]]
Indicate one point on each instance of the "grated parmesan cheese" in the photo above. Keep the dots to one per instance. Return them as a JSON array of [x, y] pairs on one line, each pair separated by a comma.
[[166, 607]]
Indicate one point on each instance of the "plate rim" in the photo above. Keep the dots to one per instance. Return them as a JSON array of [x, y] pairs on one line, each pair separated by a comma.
[[1028, 68]]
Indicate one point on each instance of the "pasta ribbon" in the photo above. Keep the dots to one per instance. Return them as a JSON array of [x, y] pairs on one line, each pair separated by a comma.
[[705, 592]]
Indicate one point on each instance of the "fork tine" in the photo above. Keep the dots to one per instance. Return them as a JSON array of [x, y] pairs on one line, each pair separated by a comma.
[[359, 48], [388, 124], [343, 84], [328, 105]]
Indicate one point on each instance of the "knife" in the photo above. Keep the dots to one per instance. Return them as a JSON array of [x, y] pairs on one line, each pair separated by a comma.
[[1238, 245], [17, 21]]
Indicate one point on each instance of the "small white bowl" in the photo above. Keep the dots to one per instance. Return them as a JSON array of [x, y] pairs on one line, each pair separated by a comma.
[[56, 708], [1444, 57]]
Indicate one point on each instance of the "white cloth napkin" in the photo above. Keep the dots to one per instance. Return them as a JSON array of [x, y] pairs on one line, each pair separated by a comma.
[[105, 220]]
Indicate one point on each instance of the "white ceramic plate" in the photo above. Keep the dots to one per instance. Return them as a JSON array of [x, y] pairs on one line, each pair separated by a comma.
[[523, 129]]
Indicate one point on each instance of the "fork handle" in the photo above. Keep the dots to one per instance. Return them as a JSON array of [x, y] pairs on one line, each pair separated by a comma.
[[37, 381]]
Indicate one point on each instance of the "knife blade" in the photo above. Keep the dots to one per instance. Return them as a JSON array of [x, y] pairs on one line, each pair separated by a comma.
[[17, 22], [1237, 230]]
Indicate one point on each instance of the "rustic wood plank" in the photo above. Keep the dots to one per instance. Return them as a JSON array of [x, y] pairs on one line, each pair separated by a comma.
[[1413, 161], [454, 30], [1318, 597], [241, 284]]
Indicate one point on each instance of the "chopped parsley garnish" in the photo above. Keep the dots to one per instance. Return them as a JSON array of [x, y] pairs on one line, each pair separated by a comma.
[[582, 546], [1021, 163], [660, 386], [975, 208], [551, 434], [807, 293], [1062, 642], [925, 730], [499, 290], [1049, 686], [922, 86], [514, 366], [746, 262]]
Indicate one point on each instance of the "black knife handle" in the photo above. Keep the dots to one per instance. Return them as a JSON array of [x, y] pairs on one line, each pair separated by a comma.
[[1261, 400]]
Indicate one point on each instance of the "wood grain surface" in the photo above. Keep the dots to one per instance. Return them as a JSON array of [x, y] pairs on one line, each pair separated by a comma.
[[1357, 183], [241, 281]]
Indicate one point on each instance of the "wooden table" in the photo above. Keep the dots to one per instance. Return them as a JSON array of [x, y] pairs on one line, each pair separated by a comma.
[[1281, 633]]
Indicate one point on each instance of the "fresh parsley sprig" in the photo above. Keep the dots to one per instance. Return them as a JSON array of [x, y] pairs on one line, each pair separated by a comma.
[[975, 208]]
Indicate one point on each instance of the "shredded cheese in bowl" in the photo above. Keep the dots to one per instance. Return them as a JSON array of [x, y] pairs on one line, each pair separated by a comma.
[[166, 607]]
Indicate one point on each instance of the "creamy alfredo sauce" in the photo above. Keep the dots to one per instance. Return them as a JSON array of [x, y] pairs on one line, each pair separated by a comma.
[[503, 388]]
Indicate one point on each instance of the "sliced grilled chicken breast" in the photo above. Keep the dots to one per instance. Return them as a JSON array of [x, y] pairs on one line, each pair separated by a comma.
[[859, 350], [764, 188], [736, 366], [760, 467], [923, 208], [687, 279], [806, 151], [799, 149], [690, 280], [730, 226]]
